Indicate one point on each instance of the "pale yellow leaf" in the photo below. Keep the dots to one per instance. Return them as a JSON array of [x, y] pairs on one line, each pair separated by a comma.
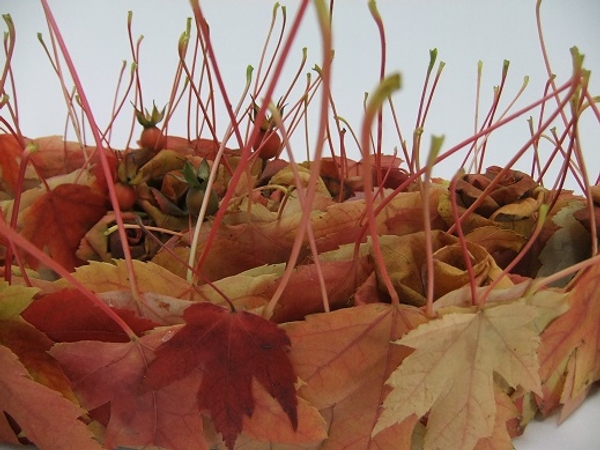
[[450, 373]]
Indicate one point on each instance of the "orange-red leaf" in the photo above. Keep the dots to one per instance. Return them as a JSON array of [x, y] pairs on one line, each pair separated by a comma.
[[55, 156], [230, 348], [68, 316], [573, 337], [106, 374], [10, 154], [46, 417], [60, 218], [344, 358]]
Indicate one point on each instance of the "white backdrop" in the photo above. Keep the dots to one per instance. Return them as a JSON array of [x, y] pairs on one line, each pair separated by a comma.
[[463, 31]]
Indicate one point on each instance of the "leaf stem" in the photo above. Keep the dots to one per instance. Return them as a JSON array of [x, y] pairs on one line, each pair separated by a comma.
[[99, 147]]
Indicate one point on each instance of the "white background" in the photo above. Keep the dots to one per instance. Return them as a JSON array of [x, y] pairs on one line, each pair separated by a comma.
[[464, 32]]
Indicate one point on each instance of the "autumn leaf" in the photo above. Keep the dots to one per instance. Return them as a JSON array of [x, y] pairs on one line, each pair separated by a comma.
[[47, 418], [28, 343], [451, 372], [570, 347], [105, 277], [68, 315], [270, 423], [14, 299], [343, 359], [231, 349], [405, 259], [162, 295], [60, 218], [106, 374], [55, 156], [568, 245], [10, 155], [506, 412], [31, 346], [302, 297], [249, 239]]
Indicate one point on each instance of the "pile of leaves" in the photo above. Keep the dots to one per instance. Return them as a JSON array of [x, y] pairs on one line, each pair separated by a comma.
[[181, 294], [352, 339]]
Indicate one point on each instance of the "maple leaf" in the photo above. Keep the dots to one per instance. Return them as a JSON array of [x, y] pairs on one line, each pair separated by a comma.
[[67, 316], [106, 373], [231, 349], [450, 373], [102, 277], [29, 344], [344, 358], [47, 418], [571, 347], [60, 218], [55, 156], [14, 299], [506, 411], [270, 424], [10, 155]]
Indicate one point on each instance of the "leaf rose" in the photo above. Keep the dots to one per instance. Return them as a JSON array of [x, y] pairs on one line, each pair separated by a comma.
[[512, 202]]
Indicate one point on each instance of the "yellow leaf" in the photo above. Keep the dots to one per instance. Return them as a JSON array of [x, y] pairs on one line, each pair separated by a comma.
[[451, 372], [104, 277], [14, 299]]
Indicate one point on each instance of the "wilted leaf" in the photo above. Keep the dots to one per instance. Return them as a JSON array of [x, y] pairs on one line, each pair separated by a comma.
[[501, 243], [567, 246], [405, 262], [165, 161]]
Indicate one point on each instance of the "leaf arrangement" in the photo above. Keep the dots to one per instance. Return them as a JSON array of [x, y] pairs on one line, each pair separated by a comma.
[[181, 294]]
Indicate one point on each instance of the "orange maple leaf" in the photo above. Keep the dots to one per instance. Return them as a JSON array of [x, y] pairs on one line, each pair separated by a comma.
[[42, 413], [60, 218], [344, 358], [570, 347]]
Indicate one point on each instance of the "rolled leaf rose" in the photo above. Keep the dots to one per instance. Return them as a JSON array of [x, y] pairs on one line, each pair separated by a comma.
[[405, 262], [512, 202]]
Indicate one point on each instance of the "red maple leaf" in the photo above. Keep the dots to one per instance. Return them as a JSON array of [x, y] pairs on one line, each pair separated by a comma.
[[230, 348], [68, 316], [60, 218]]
